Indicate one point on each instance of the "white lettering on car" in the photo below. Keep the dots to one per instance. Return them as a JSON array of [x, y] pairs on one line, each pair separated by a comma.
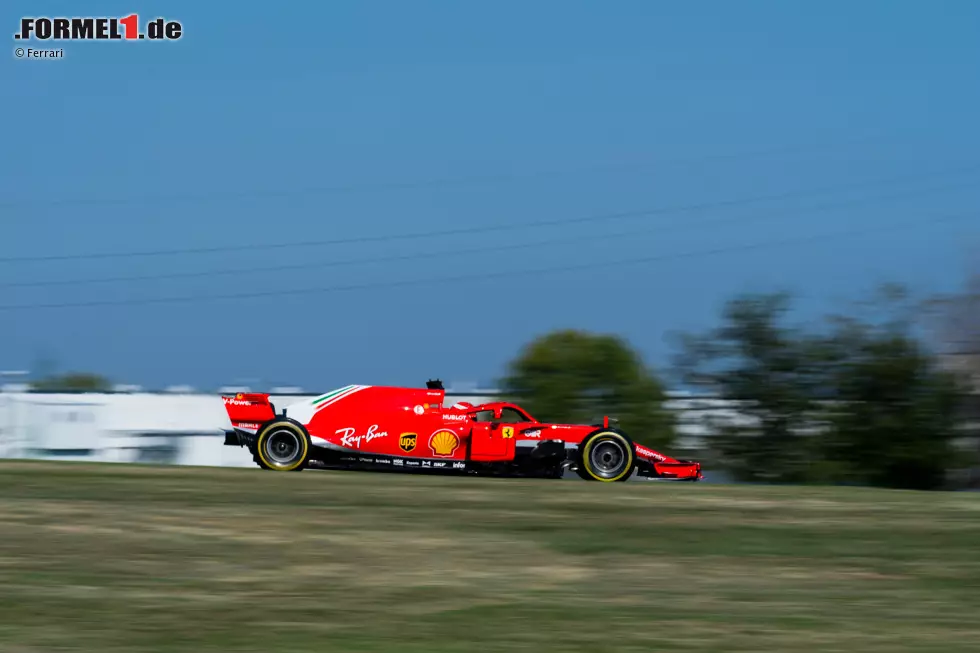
[[647, 453], [348, 439]]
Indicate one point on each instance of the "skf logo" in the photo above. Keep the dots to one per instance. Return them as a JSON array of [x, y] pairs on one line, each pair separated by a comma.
[[507, 432], [97, 29], [407, 442]]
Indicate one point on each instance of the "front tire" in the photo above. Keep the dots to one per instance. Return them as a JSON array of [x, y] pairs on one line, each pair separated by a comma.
[[282, 446], [606, 456]]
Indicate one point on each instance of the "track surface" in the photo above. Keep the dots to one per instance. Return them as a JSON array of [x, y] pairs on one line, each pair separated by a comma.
[[131, 558]]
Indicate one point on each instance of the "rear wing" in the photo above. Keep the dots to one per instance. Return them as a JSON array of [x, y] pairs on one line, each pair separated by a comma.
[[248, 410]]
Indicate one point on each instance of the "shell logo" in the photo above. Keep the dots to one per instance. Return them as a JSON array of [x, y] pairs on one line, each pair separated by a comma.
[[443, 443]]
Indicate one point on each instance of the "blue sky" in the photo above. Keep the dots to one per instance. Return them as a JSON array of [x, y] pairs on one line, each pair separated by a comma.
[[294, 122]]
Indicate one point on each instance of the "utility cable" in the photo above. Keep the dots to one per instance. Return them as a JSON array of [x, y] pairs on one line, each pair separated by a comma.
[[485, 275], [475, 250], [601, 217]]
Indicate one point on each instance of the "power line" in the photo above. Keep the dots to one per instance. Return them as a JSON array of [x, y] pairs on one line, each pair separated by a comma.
[[475, 250], [487, 228], [483, 275], [172, 198]]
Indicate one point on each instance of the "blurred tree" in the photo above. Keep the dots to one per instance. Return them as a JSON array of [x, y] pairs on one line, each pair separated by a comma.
[[959, 330], [577, 377], [957, 337], [773, 373], [893, 421], [74, 382], [862, 402]]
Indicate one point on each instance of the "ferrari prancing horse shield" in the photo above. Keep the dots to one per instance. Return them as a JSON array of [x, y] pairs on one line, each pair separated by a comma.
[[407, 441]]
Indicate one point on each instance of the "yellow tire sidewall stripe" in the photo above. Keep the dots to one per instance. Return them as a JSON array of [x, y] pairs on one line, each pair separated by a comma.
[[588, 447], [274, 427]]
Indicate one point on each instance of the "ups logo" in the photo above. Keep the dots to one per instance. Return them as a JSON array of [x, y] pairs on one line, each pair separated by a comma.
[[407, 442]]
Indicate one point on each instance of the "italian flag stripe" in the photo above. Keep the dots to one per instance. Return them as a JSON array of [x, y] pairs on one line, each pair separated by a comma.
[[335, 396], [331, 394]]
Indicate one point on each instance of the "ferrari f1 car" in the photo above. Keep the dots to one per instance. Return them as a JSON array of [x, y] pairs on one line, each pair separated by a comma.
[[372, 427]]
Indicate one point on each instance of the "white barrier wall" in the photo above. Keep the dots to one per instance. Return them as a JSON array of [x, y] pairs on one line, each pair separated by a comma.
[[186, 429], [183, 430]]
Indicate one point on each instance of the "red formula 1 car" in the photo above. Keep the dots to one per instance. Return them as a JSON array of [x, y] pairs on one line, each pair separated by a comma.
[[372, 427]]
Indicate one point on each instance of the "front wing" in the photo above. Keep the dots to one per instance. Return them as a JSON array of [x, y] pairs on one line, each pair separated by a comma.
[[678, 470], [651, 464]]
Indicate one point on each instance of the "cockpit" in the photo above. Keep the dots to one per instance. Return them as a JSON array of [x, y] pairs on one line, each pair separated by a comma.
[[508, 415]]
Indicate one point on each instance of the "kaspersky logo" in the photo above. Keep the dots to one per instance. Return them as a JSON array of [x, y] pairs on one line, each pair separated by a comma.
[[126, 28]]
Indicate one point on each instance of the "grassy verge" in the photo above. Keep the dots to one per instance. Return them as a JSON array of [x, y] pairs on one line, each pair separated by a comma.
[[130, 558]]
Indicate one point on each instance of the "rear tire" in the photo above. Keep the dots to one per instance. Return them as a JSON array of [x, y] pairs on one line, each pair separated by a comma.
[[257, 460], [607, 456], [282, 446]]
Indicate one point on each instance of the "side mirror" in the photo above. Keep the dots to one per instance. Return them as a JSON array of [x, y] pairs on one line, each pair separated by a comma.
[[497, 413]]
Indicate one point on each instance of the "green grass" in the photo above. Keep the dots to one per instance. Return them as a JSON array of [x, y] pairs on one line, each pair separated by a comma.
[[109, 558]]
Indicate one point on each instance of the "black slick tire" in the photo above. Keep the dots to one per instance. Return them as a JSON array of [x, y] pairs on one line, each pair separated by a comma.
[[282, 446], [607, 456]]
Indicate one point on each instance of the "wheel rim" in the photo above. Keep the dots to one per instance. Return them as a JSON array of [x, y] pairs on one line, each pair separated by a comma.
[[282, 447], [607, 459]]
